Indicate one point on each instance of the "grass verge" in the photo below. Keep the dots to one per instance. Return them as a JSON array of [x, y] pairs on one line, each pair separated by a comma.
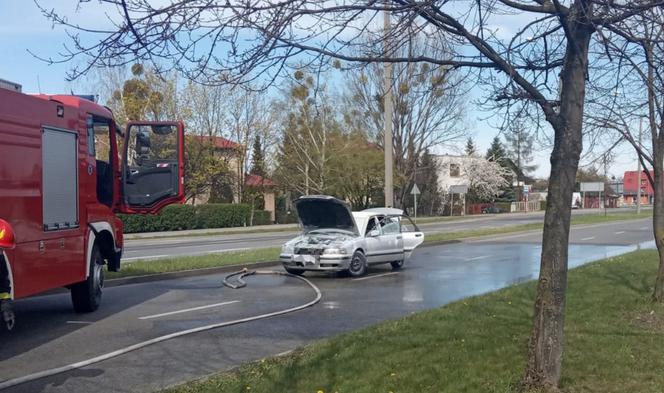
[[147, 267], [142, 268], [613, 342], [576, 220]]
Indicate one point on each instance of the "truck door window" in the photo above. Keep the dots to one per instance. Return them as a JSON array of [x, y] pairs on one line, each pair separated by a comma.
[[152, 164], [99, 146]]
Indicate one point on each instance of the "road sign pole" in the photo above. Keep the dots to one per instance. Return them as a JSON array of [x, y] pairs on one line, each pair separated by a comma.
[[415, 207], [415, 192]]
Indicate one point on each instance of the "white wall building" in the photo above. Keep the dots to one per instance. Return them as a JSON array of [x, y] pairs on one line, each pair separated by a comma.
[[450, 171]]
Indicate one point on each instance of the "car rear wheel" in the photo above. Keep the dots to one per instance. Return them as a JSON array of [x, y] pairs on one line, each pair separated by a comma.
[[296, 272], [396, 265], [86, 295], [358, 265]]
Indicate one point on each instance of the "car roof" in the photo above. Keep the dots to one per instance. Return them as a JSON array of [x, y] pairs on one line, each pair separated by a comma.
[[388, 211]]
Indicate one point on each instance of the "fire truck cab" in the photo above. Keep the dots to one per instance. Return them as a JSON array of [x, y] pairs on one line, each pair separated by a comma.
[[66, 169]]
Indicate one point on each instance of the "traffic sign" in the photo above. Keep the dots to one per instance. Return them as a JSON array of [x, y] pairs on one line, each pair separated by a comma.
[[415, 190]]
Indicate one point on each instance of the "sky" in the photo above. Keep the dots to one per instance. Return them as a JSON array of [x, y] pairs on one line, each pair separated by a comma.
[[25, 29]]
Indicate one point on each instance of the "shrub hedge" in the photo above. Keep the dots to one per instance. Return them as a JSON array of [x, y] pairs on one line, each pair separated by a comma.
[[183, 217]]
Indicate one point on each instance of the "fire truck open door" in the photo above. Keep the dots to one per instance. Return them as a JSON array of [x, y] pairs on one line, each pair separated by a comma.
[[152, 166]]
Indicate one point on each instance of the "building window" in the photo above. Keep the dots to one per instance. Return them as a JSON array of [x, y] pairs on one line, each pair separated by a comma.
[[455, 171]]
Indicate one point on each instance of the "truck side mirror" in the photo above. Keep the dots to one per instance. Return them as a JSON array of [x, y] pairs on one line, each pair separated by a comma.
[[7, 239]]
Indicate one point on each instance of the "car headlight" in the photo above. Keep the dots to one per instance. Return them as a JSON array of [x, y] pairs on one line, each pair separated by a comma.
[[287, 249], [334, 251]]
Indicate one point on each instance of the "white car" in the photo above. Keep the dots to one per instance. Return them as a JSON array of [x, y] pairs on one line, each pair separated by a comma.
[[335, 239]]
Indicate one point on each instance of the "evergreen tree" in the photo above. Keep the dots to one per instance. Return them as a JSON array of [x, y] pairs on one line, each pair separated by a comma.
[[470, 147], [498, 154], [496, 151], [430, 199], [257, 158], [519, 144]]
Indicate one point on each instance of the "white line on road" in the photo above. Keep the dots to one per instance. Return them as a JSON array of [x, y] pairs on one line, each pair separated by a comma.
[[80, 322], [146, 257], [374, 276], [587, 238], [188, 310], [620, 232], [477, 258]]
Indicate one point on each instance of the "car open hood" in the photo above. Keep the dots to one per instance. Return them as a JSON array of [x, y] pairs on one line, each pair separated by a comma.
[[324, 212]]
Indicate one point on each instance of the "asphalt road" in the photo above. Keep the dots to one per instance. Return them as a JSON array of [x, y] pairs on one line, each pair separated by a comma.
[[50, 335], [199, 245]]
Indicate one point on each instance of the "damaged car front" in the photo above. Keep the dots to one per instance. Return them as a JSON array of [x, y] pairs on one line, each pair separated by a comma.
[[329, 240]]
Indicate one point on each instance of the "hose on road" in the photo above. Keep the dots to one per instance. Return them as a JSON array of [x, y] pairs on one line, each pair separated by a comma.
[[241, 274]]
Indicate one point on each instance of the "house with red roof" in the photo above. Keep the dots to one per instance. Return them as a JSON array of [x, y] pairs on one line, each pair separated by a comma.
[[232, 153]]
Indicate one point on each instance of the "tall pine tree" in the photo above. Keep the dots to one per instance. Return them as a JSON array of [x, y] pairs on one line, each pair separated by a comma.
[[257, 158], [498, 154], [471, 150]]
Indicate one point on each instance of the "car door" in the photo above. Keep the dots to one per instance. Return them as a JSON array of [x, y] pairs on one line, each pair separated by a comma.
[[411, 234], [372, 240], [152, 166], [391, 239]]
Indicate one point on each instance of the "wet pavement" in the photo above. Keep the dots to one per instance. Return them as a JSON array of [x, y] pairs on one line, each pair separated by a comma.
[[49, 334], [200, 245]]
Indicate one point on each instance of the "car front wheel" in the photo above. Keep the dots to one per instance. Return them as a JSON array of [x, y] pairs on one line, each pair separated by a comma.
[[296, 272], [396, 265], [358, 265]]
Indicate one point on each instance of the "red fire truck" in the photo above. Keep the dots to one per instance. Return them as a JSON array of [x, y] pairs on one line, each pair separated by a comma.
[[66, 168]]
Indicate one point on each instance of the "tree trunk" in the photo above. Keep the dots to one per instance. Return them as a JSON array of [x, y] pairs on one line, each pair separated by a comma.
[[545, 349], [658, 227]]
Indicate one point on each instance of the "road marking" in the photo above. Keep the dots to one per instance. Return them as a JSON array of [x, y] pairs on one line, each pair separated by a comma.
[[146, 257], [188, 310], [620, 232], [477, 258], [80, 322], [587, 238], [643, 228], [374, 276]]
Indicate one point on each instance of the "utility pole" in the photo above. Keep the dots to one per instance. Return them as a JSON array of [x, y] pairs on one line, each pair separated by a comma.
[[638, 172], [389, 198], [605, 179]]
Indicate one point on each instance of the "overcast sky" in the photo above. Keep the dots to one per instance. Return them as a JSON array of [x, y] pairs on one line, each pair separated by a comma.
[[25, 29]]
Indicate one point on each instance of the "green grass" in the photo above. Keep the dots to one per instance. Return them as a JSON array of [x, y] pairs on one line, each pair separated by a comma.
[[576, 220], [142, 268], [613, 343], [215, 233]]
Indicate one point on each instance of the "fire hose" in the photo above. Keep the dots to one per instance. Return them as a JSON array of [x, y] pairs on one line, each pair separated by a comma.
[[227, 282]]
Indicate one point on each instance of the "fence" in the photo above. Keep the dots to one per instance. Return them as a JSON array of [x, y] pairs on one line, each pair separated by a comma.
[[525, 206]]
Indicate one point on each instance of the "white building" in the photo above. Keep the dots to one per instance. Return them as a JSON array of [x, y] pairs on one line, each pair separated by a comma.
[[450, 171]]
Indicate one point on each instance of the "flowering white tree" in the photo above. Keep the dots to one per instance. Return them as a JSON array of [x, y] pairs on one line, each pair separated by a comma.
[[486, 179]]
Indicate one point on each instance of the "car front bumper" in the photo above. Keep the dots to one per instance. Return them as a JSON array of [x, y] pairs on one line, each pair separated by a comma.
[[328, 263]]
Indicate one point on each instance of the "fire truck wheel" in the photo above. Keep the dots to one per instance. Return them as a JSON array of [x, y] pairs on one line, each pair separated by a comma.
[[86, 295]]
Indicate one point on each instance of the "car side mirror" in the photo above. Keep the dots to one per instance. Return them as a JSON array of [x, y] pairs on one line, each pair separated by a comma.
[[374, 233]]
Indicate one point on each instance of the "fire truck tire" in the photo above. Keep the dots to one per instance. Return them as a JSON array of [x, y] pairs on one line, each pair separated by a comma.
[[86, 295]]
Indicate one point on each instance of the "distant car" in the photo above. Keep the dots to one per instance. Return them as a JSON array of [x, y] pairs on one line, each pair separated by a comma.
[[490, 210], [334, 239]]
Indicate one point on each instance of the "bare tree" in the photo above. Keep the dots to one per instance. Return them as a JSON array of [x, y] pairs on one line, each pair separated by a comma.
[[541, 68], [428, 109], [633, 107]]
